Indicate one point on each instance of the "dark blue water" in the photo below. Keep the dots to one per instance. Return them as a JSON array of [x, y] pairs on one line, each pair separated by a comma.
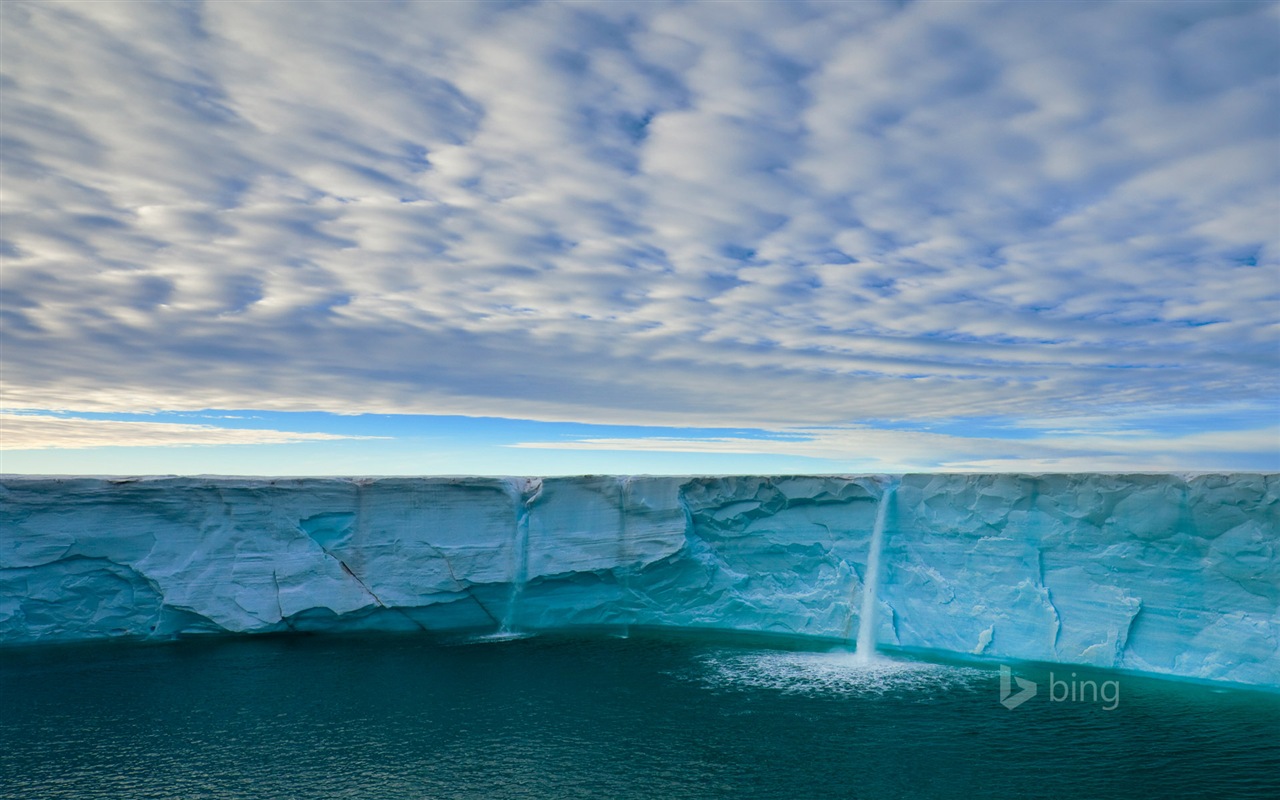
[[647, 716]]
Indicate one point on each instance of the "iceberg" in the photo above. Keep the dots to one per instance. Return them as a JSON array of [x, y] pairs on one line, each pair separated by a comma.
[[1166, 574]]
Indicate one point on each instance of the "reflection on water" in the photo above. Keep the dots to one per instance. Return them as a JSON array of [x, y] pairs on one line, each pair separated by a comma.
[[645, 716]]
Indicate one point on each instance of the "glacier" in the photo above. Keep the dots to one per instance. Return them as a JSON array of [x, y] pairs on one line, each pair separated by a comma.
[[1166, 574]]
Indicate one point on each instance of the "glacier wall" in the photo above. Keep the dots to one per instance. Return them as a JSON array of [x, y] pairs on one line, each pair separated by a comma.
[[1156, 573]]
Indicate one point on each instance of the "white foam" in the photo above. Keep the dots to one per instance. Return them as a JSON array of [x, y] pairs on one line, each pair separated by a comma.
[[496, 636], [838, 673]]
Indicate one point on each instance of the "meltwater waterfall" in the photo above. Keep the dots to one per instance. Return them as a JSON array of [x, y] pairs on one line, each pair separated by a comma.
[[866, 643], [525, 497]]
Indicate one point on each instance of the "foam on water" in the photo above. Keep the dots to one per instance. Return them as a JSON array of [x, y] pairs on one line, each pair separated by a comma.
[[496, 636], [835, 673]]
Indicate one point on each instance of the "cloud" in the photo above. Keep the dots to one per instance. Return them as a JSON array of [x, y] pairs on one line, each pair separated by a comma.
[[43, 432], [903, 450], [772, 215]]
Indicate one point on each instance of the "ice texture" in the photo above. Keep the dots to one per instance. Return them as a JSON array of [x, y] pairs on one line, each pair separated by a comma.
[[1156, 573]]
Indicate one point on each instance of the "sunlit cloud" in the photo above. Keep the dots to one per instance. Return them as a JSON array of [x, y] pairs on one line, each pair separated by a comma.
[[41, 432], [900, 451]]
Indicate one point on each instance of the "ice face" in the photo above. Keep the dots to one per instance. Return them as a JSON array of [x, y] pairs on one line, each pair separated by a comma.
[[1157, 573]]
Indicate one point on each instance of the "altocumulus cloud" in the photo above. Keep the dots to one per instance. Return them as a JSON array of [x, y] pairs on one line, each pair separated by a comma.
[[773, 215]]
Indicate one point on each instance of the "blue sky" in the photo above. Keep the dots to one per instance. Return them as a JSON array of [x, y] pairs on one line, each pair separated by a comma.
[[556, 238]]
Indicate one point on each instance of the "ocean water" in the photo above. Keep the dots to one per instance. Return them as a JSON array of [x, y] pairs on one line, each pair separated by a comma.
[[649, 716]]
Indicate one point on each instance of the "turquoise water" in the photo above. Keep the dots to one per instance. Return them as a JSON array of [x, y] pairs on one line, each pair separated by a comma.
[[597, 716]]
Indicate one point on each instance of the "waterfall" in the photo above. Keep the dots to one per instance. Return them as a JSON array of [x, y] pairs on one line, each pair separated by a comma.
[[520, 555], [865, 647], [624, 493]]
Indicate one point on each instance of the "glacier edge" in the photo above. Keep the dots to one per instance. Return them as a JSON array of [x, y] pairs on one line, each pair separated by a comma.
[[1174, 575]]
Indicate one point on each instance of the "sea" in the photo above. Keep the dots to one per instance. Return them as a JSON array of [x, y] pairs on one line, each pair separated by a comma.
[[647, 714]]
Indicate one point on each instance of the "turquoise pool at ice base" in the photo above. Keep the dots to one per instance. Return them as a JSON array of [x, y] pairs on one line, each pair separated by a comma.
[[654, 715]]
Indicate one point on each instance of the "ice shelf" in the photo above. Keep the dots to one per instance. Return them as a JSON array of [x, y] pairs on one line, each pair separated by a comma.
[[1157, 573]]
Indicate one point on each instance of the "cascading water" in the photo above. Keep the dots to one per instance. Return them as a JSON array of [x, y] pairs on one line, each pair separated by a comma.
[[865, 646], [520, 570], [624, 492]]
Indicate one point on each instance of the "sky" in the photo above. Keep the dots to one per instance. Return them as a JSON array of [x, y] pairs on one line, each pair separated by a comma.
[[544, 238]]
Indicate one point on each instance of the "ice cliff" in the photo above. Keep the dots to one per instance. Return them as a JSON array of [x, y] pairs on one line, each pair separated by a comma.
[[1156, 573]]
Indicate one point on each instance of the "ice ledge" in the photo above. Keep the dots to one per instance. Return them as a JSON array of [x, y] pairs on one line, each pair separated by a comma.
[[1171, 574]]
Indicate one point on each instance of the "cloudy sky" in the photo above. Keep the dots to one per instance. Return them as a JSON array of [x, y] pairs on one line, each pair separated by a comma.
[[549, 238]]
